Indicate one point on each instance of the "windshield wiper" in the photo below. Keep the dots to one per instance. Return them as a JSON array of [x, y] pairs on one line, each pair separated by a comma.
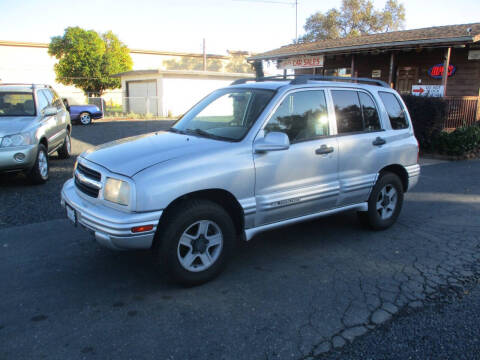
[[176, 131], [206, 134]]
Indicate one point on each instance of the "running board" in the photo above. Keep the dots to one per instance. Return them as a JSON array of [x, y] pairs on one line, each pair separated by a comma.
[[250, 233]]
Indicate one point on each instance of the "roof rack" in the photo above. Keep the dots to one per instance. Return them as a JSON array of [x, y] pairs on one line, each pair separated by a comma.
[[32, 86], [297, 79]]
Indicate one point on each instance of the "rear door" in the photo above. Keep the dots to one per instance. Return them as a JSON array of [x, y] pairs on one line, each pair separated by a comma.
[[302, 179], [360, 143]]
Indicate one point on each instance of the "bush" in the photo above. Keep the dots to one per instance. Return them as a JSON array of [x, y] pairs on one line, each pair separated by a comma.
[[428, 115], [458, 142]]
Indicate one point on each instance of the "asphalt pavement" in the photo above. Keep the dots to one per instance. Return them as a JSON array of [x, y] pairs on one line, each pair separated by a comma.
[[293, 293]]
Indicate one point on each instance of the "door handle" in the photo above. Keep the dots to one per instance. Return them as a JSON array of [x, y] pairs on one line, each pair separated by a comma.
[[324, 150], [379, 141]]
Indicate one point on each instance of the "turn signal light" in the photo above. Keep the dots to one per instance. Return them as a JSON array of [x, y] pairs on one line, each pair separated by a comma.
[[143, 228]]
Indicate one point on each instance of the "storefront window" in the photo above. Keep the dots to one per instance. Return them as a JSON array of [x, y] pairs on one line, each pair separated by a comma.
[[343, 72]]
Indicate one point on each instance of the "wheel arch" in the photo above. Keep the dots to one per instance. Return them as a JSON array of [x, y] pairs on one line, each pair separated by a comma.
[[44, 142], [398, 170], [222, 197]]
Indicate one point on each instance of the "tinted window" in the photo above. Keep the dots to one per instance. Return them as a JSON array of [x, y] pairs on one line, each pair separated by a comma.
[[302, 116], [48, 95], [57, 101], [370, 114], [347, 111], [398, 120]]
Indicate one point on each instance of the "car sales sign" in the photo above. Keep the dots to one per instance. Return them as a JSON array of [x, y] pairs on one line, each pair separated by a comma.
[[300, 62], [427, 90]]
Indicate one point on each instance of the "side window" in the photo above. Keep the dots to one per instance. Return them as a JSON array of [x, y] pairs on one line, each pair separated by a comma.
[[348, 111], [302, 116], [57, 101], [369, 111], [397, 116], [48, 95], [42, 101]]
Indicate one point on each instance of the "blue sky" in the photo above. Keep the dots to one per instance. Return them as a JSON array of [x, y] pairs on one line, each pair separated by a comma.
[[180, 25]]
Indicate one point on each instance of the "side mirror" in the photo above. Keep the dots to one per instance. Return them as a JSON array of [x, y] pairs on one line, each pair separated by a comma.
[[273, 141], [50, 111]]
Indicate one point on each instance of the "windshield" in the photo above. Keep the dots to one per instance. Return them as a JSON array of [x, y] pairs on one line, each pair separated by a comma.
[[225, 114], [16, 104]]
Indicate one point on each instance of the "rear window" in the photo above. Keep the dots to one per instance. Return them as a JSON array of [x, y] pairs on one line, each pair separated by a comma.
[[16, 104], [395, 111]]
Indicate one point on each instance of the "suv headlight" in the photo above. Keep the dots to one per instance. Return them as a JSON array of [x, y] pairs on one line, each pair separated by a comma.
[[16, 140], [117, 191]]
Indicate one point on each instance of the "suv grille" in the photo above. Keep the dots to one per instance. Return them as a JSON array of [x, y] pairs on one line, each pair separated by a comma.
[[86, 180]]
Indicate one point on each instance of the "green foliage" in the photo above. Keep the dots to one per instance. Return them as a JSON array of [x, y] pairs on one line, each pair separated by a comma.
[[192, 63], [459, 142], [428, 115], [238, 64], [354, 18], [87, 59]]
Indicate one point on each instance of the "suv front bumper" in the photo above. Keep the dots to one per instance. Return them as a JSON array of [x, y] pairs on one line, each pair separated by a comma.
[[8, 161], [112, 228]]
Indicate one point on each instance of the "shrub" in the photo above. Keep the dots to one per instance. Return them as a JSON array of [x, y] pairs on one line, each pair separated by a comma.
[[458, 142], [428, 115]]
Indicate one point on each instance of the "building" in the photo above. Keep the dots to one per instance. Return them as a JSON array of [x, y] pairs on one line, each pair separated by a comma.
[[411, 61], [170, 92], [30, 63]]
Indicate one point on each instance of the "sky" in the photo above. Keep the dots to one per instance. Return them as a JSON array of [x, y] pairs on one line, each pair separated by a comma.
[[182, 24]]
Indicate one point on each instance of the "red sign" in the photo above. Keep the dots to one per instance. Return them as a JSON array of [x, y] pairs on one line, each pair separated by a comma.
[[437, 71], [419, 90]]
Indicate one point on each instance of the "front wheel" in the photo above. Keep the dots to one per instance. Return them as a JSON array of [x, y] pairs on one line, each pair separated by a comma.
[[196, 242], [39, 173], [384, 204]]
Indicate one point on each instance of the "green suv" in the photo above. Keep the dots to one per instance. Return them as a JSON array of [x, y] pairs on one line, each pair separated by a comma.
[[33, 124]]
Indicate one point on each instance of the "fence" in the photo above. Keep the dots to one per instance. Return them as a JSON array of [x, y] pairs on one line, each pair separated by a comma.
[[462, 111]]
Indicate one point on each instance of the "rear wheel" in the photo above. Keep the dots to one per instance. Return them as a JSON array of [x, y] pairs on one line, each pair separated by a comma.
[[85, 118], [66, 149], [39, 173], [197, 240], [384, 204]]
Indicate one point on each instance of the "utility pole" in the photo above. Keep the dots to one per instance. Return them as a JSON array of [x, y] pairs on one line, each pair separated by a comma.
[[204, 56], [296, 21]]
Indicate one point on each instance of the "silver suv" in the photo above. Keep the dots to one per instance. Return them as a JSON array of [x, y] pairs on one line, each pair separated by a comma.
[[33, 124], [248, 158]]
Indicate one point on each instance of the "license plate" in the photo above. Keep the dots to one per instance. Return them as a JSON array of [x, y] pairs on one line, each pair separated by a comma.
[[71, 214]]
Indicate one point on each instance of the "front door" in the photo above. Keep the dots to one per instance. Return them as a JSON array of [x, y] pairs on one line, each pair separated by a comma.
[[303, 179], [406, 77]]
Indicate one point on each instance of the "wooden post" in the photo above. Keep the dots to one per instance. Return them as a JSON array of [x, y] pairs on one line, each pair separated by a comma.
[[390, 69], [352, 66], [446, 64], [204, 57]]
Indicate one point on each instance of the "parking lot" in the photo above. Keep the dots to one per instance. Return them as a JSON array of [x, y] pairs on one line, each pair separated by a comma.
[[292, 293]]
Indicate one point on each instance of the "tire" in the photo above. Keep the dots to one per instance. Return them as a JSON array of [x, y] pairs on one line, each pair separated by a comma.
[[85, 118], [384, 204], [196, 242], [39, 172], [66, 150]]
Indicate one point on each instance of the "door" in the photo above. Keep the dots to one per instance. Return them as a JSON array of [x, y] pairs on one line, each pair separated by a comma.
[[360, 137], [57, 133], [302, 179], [406, 77], [49, 123], [142, 97]]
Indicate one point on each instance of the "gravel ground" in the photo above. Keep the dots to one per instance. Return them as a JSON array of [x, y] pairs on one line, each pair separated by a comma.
[[23, 203]]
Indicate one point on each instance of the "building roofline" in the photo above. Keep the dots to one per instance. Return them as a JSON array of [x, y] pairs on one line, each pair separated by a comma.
[[184, 72], [132, 51]]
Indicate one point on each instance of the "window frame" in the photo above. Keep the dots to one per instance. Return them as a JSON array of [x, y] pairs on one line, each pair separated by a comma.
[[357, 90], [331, 129]]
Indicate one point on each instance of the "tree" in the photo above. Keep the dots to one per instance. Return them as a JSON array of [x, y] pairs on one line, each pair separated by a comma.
[[354, 18], [238, 63], [88, 60]]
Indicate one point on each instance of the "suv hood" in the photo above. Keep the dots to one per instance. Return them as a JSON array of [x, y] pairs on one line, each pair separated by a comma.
[[131, 155], [10, 125]]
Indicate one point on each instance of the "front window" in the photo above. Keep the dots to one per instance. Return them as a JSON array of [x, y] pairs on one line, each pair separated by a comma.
[[16, 104], [226, 114]]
